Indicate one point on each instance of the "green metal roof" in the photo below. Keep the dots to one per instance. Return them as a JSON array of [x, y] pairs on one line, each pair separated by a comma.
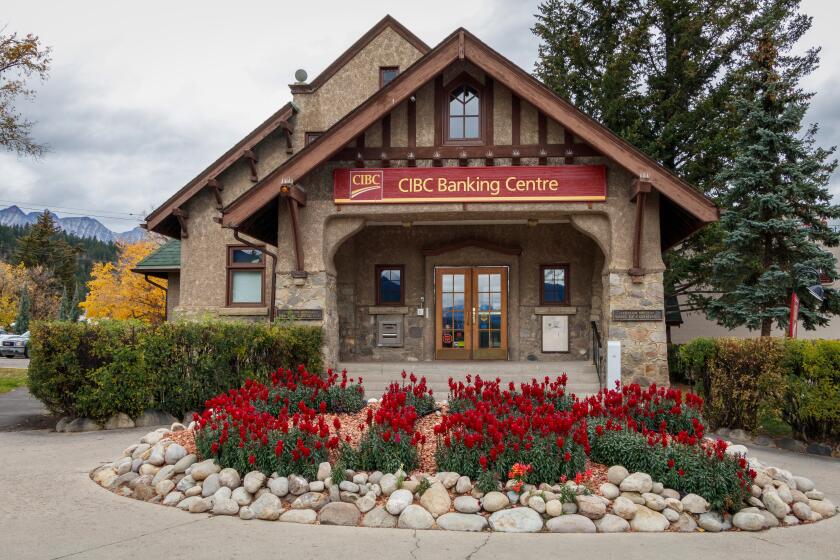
[[166, 257]]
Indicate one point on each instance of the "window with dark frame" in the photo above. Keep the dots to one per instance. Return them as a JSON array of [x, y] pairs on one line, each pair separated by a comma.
[[245, 277], [554, 284], [390, 284], [310, 137], [463, 113], [387, 74]]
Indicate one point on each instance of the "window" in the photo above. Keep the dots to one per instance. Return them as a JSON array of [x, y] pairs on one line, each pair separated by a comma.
[[554, 284], [463, 115], [310, 137], [387, 74], [245, 277], [390, 289]]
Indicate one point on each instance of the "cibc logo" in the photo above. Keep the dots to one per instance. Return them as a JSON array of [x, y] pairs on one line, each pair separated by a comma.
[[366, 185]]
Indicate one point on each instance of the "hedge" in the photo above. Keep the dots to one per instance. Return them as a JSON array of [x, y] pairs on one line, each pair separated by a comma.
[[750, 381], [98, 370]]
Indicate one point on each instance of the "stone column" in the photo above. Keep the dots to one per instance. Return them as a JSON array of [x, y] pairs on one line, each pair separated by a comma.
[[644, 353], [315, 292]]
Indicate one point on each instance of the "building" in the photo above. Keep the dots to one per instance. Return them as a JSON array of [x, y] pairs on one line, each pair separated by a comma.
[[434, 204]]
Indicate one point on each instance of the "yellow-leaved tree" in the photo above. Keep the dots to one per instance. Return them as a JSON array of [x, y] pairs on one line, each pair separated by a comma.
[[114, 292], [11, 282]]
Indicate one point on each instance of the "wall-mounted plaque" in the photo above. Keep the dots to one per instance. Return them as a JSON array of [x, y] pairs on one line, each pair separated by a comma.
[[555, 333], [300, 314], [637, 314]]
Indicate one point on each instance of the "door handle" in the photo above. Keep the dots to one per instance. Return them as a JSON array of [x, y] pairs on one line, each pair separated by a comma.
[[473, 315]]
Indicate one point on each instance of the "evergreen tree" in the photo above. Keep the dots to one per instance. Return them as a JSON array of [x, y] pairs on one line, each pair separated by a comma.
[[63, 305], [43, 245], [662, 74], [74, 312], [778, 202], [22, 319]]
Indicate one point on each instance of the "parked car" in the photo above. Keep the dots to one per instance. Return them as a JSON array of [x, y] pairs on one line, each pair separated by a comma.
[[15, 345]]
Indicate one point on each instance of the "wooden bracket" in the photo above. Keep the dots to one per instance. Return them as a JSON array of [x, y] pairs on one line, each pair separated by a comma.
[[294, 192], [252, 164], [217, 189], [636, 272], [639, 186], [461, 45], [297, 245], [182, 220], [288, 134]]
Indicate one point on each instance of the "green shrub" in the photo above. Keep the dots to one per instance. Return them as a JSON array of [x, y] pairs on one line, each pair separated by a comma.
[[811, 402], [746, 380], [686, 468], [694, 358], [97, 370]]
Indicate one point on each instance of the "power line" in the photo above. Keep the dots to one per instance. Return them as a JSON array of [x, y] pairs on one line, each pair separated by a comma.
[[62, 208]]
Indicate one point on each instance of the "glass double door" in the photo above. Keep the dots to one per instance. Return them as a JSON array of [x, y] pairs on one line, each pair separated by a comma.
[[471, 313]]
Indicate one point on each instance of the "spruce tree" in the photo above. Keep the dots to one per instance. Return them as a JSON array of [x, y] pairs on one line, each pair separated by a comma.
[[63, 305], [22, 319], [74, 312], [779, 206]]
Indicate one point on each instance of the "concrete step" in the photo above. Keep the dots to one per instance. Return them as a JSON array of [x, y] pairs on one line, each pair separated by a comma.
[[582, 377]]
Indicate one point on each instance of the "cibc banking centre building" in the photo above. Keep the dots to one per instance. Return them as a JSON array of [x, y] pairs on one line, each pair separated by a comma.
[[433, 203]]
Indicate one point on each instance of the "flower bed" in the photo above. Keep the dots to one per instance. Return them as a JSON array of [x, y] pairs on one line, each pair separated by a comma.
[[524, 459]]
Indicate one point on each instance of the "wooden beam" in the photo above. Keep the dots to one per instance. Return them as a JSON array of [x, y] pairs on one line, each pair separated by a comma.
[[489, 107], [456, 152], [216, 187], [182, 221], [515, 120], [296, 237], [636, 272], [252, 164], [439, 110], [411, 116], [639, 186], [295, 192], [289, 148]]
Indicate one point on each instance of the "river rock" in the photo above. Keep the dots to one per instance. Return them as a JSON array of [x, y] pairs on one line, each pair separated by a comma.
[[591, 507], [310, 500], [624, 508], [241, 496], [611, 524], [537, 504], [388, 483], [118, 421], [436, 499], [637, 482], [246, 513], [340, 513], [229, 478], [415, 517], [654, 501], [464, 485], [304, 516], [347, 486], [462, 522], [164, 487], [494, 501], [616, 474], [398, 501], [685, 524], [253, 481], [174, 453], [825, 508], [517, 520], [202, 470], [693, 503], [573, 523], [378, 517], [200, 506], [172, 499], [804, 484], [210, 485], [747, 521], [298, 485], [648, 521], [153, 417], [711, 522], [279, 486], [187, 502], [467, 504], [324, 471], [82, 425], [184, 463], [267, 507], [366, 502], [225, 506], [609, 490], [775, 505]]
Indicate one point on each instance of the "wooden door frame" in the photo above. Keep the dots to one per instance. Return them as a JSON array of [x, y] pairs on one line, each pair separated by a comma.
[[470, 324]]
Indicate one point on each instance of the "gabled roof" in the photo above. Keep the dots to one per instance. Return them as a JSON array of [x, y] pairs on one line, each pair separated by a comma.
[[364, 40], [463, 45], [164, 259], [162, 219]]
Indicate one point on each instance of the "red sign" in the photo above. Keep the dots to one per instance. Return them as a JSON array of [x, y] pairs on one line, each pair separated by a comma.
[[794, 315], [575, 183]]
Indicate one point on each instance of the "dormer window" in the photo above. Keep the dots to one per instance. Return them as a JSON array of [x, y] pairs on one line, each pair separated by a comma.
[[464, 112], [387, 74]]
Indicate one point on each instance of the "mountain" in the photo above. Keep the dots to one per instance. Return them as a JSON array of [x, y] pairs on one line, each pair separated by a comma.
[[83, 227]]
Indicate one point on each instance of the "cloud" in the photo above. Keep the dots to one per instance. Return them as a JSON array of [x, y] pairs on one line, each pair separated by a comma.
[[143, 98]]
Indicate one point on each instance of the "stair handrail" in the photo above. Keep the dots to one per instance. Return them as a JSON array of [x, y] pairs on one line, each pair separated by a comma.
[[596, 353]]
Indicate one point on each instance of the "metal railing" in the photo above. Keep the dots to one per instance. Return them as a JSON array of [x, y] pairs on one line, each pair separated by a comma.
[[596, 353]]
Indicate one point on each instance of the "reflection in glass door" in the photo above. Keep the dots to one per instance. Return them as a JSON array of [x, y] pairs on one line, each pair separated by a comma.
[[471, 313]]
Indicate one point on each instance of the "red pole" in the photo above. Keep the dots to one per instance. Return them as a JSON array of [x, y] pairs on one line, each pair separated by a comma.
[[794, 315]]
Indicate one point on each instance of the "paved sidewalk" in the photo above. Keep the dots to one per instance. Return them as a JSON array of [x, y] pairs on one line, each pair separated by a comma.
[[19, 410], [51, 509]]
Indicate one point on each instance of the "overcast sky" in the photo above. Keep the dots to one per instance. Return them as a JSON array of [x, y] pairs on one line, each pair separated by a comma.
[[143, 96]]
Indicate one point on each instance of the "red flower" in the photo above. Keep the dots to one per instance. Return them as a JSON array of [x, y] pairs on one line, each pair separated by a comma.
[[670, 463], [681, 472], [483, 462], [251, 459]]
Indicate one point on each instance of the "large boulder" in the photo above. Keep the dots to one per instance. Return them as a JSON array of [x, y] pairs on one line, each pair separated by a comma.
[[648, 521], [119, 421], [436, 499], [693, 503], [591, 506], [748, 521], [267, 507], [304, 516], [378, 517], [415, 517], [611, 524], [517, 520], [572, 523], [637, 482], [494, 501], [624, 508], [151, 418], [311, 500], [340, 513]]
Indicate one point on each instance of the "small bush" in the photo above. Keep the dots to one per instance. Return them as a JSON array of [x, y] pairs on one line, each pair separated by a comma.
[[332, 393], [688, 468], [98, 370], [811, 402]]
